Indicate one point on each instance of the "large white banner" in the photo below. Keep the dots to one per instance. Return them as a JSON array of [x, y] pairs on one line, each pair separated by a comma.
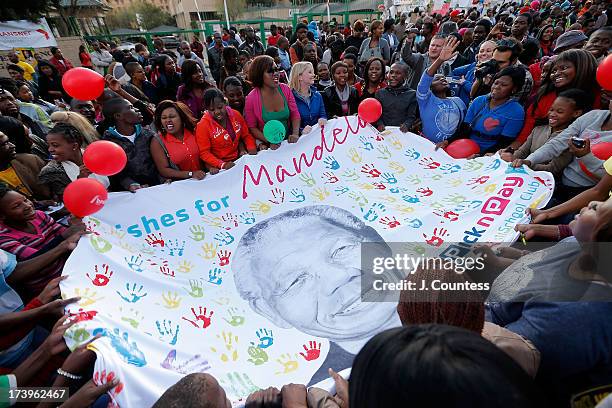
[[25, 34], [253, 275]]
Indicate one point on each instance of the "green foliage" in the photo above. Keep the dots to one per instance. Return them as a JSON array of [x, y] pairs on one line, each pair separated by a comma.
[[24, 9], [150, 16]]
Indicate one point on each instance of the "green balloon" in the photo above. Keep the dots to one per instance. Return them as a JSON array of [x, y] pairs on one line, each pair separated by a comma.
[[274, 131]]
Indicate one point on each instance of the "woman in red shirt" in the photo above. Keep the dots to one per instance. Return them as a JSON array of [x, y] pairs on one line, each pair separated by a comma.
[[175, 150], [222, 133], [374, 78], [85, 57]]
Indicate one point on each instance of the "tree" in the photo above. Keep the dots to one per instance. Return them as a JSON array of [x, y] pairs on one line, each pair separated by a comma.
[[234, 8], [150, 16]]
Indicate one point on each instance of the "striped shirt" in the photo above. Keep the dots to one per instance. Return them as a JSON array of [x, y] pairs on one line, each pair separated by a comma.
[[25, 245]]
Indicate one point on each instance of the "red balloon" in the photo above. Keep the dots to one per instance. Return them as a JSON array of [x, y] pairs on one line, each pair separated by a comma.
[[84, 197], [462, 148], [370, 110], [83, 83], [604, 73], [104, 157], [602, 150]]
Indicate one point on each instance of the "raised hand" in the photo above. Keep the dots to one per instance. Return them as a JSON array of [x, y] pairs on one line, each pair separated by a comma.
[[448, 50]]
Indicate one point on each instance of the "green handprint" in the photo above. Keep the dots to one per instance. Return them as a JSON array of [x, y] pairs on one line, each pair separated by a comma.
[[239, 384], [385, 154], [197, 233], [237, 320], [258, 355], [99, 244], [195, 289], [133, 318], [78, 335], [308, 179]]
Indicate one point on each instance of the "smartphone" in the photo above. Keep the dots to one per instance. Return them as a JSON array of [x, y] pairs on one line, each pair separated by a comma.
[[578, 142]]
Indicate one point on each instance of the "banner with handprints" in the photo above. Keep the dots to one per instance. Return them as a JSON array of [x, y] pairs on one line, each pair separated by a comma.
[[253, 275]]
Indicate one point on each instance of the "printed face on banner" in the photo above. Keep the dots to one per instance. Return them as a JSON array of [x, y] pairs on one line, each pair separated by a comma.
[[255, 276]]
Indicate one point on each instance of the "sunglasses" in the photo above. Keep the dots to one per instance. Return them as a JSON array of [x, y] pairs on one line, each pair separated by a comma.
[[274, 70]]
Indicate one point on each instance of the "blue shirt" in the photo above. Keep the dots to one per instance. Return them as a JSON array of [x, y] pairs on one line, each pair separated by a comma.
[[285, 60], [312, 110], [440, 117], [463, 90], [489, 125]]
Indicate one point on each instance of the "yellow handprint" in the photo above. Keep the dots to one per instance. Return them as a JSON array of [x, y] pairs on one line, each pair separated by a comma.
[[396, 143], [230, 340], [490, 188], [389, 198], [320, 193], [185, 267], [88, 297], [354, 155], [171, 300], [454, 182], [212, 221], [127, 247], [288, 364], [396, 167], [209, 250], [260, 207], [404, 209], [365, 186]]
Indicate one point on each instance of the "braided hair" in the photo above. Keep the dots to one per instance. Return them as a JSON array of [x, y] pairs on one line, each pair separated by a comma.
[[68, 132]]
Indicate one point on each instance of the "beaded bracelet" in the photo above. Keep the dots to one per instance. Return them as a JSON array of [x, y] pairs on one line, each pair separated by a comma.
[[68, 375]]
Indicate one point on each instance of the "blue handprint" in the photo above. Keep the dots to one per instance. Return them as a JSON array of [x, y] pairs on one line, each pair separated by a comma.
[[224, 237], [373, 213], [495, 164], [134, 293], [449, 168], [341, 190], [298, 196], [414, 223], [389, 178], [331, 163], [266, 338], [410, 199], [135, 263], [412, 154], [129, 352], [247, 218], [166, 332], [214, 276], [174, 247], [367, 145]]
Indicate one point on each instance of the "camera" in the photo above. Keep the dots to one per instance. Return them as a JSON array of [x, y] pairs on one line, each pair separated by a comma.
[[489, 67], [578, 142]]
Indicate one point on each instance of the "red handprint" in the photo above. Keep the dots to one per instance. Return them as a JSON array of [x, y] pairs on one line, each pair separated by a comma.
[[436, 239], [200, 316], [450, 215], [101, 278], [153, 262], [378, 137], [278, 196], [155, 240], [331, 177], [91, 226], [425, 191], [82, 316], [166, 271], [390, 222], [102, 377], [224, 257], [379, 186], [370, 170], [313, 351], [478, 180], [429, 163]]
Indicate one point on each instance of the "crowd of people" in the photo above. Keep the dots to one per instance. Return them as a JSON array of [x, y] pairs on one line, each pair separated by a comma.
[[518, 80]]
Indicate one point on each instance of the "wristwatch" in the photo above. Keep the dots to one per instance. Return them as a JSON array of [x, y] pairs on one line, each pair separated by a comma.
[[190, 174]]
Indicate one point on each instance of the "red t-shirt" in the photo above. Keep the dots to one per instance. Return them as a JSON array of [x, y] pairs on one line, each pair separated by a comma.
[[273, 39], [185, 154]]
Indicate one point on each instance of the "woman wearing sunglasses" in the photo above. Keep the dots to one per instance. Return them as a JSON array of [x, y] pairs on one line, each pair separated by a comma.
[[270, 100]]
